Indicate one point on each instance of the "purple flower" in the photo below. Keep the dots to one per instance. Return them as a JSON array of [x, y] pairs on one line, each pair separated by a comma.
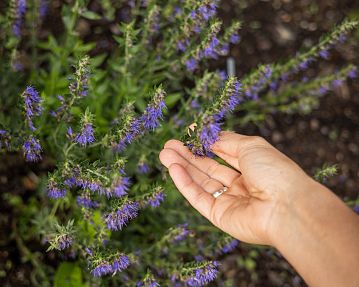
[[156, 198], [230, 246], [119, 187], [273, 85], [223, 75], [209, 133], [17, 66], [116, 220], [91, 185], [143, 168], [19, 16], [353, 73], [43, 8], [120, 263], [102, 269], [195, 104], [32, 105], [235, 39], [337, 83], [148, 282], [356, 209], [210, 50], [180, 233], [54, 192], [64, 242], [203, 275], [70, 182], [154, 112], [305, 64], [342, 38], [182, 45], [324, 54], [32, 149], [86, 202], [323, 90], [86, 136], [191, 64], [208, 11]]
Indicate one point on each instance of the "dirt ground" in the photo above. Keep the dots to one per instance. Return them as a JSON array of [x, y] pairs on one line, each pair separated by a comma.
[[272, 30]]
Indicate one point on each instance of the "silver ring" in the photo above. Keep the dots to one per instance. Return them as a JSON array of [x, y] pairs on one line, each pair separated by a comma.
[[219, 192]]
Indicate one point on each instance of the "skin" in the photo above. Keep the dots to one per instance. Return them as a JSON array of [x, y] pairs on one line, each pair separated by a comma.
[[270, 200]]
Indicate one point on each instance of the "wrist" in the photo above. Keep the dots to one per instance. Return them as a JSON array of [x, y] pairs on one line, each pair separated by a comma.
[[293, 208]]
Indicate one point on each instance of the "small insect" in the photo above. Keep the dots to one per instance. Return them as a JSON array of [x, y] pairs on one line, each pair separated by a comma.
[[191, 128]]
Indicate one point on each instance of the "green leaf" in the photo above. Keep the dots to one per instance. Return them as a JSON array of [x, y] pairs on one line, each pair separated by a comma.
[[91, 15], [68, 274], [172, 99]]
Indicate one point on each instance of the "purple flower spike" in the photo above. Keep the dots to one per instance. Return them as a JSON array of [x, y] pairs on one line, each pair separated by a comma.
[[148, 282], [121, 263], [337, 83], [101, 270], [116, 220], [86, 202], [154, 112], [19, 16], [191, 64], [43, 8], [54, 192], [119, 187], [229, 247], [143, 168], [204, 275], [235, 39], [182, 232], [32, 105], [156, 199], [86, 136], [324, 54], [64, 242], [353, 73], [32, 149], [209, 134]]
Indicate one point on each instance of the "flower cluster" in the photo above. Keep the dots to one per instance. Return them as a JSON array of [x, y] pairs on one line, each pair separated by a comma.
[[32, 105], [143, 167], [86, 135], [86, 202], [20, 10], [179, 233], [210, 121], [79, 85], [32, 149], [229, 246], [148, 281], [117, 219], [154, 198], [118, 263], [149, 120], [54, 191], [64, 242], [198, 274]]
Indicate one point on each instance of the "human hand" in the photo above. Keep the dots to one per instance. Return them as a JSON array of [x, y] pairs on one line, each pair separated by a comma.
[[262, 184]]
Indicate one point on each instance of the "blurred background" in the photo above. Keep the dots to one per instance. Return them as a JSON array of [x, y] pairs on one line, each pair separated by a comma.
[[272, 30]]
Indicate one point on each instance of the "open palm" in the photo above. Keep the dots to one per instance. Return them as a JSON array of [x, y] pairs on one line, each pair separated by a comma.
[[259, 181]]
